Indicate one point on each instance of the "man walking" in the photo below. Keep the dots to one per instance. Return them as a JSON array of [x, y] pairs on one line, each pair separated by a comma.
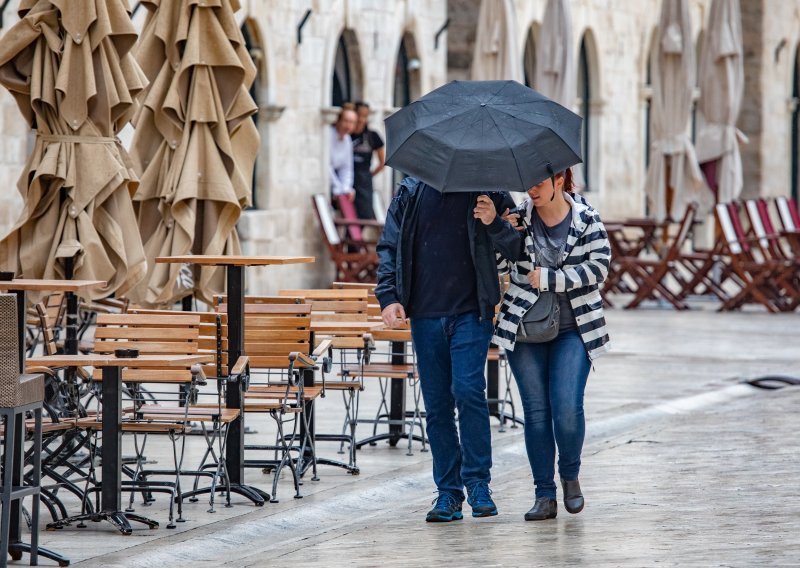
[[437, 266]]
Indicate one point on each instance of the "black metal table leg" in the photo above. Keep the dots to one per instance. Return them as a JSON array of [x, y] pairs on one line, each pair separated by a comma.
[[397, 404], [111, 484], [234, 448]]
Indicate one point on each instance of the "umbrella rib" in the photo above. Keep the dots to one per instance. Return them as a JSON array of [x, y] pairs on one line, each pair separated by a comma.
[[510, 147]]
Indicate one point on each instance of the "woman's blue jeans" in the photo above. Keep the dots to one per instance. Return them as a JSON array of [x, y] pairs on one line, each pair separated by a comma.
[[552, 378], [451, 356]]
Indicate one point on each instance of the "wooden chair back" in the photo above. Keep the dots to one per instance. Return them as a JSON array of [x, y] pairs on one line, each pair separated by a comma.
[[273, 331], [788, 213], [212, 337], [170, 333], [334, 304]]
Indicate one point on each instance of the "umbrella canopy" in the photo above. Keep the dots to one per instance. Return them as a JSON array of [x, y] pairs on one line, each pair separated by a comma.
[[495, 55], [195, 143], [555, 65], [483, 135], [721, 93], [673, 170], [68, 65]]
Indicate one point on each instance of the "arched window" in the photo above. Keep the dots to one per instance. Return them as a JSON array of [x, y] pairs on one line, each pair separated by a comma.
[[585, 110], [529, 58], [250, 34], [346, 70], [795, 158], [406, 72]]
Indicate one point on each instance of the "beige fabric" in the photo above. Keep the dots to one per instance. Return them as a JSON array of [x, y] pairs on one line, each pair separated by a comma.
[[671, 151], [68, 65], [195, 144], [721, 93], [555, 65], [495, 56]]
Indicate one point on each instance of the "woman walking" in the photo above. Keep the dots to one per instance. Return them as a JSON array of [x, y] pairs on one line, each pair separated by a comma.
[[558, 257]]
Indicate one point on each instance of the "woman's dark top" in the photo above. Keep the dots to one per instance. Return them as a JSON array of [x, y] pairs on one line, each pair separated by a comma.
[[550, 243]]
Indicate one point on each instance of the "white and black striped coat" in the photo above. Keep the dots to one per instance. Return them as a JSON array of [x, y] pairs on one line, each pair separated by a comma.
[[584, 267]]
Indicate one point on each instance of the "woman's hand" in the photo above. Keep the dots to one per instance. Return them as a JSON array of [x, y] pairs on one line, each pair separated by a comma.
[[484, 210], [533, 277], [512, 218]]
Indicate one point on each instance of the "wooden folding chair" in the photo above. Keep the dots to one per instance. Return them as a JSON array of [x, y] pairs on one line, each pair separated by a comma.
[[790, 220], [651, 275], [754, 276], [355, 260], [278, 343]]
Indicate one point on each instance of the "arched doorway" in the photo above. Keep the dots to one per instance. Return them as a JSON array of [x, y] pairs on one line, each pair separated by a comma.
[[795, 148], [529, 57], [252, 43], [406, 72], [407, 83], [347, 74]]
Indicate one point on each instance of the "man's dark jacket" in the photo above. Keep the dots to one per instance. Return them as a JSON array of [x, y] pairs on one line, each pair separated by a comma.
[[395, 249]]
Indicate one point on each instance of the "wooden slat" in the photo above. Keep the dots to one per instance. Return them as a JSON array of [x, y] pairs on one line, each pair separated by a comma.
[[283, 309], [345, 317], [259, 362], [254, 348], [233, 260], [174, 319], [339, 307], [151, 333], [276, 322], [150, 375], [279, 335], [145, 347], [327, 294]]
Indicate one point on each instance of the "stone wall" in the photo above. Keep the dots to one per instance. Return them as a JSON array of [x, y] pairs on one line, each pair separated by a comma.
[[297, 78], [294, 93]]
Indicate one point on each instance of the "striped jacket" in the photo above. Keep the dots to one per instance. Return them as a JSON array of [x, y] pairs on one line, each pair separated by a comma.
[[584, 266]]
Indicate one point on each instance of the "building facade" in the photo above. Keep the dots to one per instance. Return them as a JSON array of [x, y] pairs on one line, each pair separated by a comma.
[[313, 54]]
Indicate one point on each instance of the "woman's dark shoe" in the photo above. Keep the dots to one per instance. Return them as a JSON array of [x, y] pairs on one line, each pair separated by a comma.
[[573, 498], [543, 508]]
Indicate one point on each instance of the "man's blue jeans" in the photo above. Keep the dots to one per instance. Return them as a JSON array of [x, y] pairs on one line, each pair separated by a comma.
[[451, 356], [552, 378]]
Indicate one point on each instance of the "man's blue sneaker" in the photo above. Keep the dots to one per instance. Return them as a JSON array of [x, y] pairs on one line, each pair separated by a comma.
[[446, 508], [479, 497]]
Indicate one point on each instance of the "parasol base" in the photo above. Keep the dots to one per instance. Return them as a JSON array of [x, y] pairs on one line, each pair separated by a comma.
[[119, 519]]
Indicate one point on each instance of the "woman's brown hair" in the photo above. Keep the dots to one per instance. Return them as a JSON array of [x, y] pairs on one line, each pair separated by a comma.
[[568, 183]]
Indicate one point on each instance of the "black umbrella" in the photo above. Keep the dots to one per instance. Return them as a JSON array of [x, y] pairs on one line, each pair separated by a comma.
[[483, 135]]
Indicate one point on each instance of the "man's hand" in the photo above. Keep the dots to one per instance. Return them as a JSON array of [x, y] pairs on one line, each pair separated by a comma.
[[533, 277], [351, 195], [512, 218], [484, 210], [394, 315]]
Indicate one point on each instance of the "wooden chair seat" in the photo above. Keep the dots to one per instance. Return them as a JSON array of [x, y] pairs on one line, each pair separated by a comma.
[[342, 385], [270, 406], [196, 413], [383, 370], [279, 391], [96, 423], [47, 427]]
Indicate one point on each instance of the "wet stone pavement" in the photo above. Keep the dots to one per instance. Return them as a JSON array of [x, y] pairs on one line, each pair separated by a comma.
[[683, 466]]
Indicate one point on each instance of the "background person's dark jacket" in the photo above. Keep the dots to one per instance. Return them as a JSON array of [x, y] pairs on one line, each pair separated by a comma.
[[397, 243]]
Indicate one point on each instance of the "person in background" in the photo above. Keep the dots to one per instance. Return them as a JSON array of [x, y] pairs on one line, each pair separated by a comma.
[[341, 155], [366, 142]]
